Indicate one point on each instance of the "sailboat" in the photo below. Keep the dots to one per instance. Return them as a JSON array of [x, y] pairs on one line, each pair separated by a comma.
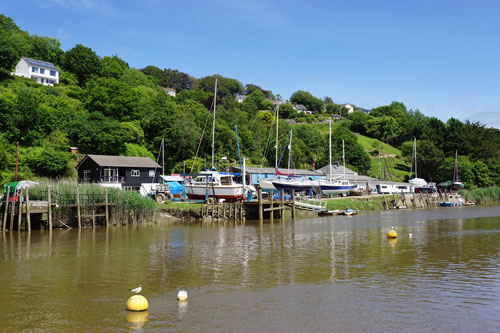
[[454, 184], [211, 183], [267, 183], [335, 185], [420, 185], [291, 183]]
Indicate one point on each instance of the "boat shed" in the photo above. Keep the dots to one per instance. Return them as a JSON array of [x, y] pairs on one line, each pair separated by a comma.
[[253, 174]]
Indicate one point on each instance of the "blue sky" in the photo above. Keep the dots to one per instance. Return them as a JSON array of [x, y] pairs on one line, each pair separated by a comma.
[[440, 57]]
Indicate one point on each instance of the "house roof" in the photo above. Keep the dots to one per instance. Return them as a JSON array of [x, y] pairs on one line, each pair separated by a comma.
[[336, 170], [122, 161], [168, 89], [40, 63], [299, 107], [259, 170]]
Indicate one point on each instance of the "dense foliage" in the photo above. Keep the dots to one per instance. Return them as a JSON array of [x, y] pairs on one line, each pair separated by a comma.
[[103, 106]]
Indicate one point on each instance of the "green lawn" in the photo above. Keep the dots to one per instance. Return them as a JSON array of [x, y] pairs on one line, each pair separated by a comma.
[[182, 206]]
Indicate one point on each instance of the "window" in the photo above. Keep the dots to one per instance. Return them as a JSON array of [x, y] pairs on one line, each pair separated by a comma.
[[135, 173], [52, 73], [34, 69], [86, 174], [42, 71], [151, 173]]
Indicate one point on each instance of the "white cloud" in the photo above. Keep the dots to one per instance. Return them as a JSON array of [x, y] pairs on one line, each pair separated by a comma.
[[62, 34]]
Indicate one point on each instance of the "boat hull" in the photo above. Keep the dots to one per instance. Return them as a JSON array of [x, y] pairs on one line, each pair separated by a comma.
[[228, 193], [288, 186], [332, 189]]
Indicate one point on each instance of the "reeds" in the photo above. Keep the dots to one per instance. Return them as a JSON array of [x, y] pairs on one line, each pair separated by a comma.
[[482, 196], [126, 206]]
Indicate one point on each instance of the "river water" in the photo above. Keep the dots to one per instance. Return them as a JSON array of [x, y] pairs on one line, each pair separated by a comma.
[[316, 274]]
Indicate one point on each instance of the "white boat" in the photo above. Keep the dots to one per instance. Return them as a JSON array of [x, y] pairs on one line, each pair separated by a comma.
[[335, 185], [420, 185], [212, 184]]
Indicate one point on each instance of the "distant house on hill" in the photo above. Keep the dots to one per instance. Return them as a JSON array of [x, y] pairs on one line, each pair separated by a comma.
[[240, 98], [128, 172], [301, 108], [169, 91], [43, 72], [366, 111], [349, 107]]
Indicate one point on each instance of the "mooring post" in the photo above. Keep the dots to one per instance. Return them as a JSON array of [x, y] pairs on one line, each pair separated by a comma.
[[282, 210], [28, 215], [293, 204], [106, 207], [241, 210], [271, 211], [19, 216], [49, 199], [259, 197], [12, 212], [93, 213], [78, 212], [6, 212]]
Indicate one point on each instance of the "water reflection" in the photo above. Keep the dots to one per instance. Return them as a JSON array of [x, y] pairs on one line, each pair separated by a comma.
[[343, 263]]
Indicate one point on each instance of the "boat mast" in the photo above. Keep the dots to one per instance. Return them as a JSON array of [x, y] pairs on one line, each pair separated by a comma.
[[163, 156], [415, 150], [343, 156], [277, 121], [330, 150], [455, 169], [290, 152], [213, 124]]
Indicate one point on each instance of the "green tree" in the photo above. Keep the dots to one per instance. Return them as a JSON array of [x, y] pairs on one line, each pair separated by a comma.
[[9, 56], [96, 134], [83, 62], [113, 67], [309, 101]]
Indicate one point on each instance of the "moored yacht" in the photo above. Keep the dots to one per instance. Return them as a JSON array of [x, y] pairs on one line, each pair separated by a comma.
[[216, 185]]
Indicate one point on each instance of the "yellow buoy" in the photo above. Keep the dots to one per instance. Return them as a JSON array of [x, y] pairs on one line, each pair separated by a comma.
[[392, 233], [137, 303]]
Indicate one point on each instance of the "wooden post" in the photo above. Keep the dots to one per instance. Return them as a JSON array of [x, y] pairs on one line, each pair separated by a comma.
[[49, 199], [241, 210], [78, 208], [282, 210], [19, 216], [28, 215], [6, 212], [106, 207], [213, 208], [93, 213], [259, 197], [12, 212], [293, 204], [272, 206]]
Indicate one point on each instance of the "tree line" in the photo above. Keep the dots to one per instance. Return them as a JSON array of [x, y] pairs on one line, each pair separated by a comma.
[[103, 106]]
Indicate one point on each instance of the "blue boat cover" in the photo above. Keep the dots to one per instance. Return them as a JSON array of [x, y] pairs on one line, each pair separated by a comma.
[[175, 187]]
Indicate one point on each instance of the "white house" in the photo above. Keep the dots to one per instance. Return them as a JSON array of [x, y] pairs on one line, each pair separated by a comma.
[[169, 91], [43, 72], [240, 98], [349, 107]]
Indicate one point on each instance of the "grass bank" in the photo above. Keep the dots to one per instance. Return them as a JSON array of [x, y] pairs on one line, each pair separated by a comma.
[[357, 203], [182, 209], [482, 196]]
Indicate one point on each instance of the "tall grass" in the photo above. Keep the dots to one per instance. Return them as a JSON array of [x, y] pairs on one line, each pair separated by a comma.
[[482, 196]]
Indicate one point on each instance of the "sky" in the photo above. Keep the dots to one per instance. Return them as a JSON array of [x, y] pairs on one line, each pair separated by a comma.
[[440, 57]]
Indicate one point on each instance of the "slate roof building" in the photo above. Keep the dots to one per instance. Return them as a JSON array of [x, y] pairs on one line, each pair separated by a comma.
[[42, 72], [128, 171]]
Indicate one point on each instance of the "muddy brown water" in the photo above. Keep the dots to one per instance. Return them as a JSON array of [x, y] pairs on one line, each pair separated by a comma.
[[315, 274]]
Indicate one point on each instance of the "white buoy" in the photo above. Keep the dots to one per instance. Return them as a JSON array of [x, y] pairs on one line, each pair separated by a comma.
[[410, 235], [182, 295]]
